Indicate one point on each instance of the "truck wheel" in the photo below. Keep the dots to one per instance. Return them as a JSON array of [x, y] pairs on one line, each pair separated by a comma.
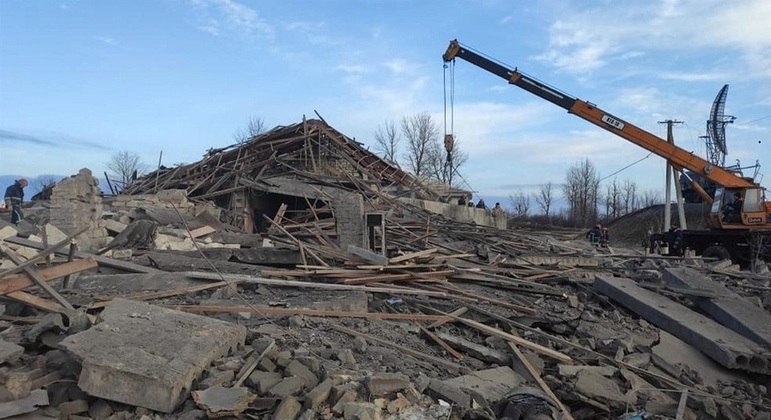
[[716, 251]]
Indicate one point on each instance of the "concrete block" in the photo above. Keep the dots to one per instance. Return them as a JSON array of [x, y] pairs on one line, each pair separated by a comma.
[[149, 356]]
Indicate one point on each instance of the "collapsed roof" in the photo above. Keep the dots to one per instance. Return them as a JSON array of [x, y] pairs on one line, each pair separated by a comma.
[[310, 149]]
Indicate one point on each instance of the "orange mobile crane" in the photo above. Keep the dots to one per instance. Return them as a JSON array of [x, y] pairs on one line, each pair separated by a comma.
[[738, 230]]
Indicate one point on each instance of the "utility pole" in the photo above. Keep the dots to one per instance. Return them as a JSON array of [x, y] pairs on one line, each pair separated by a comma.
[[671, 174]]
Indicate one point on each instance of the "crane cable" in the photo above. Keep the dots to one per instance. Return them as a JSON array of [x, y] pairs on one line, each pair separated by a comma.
[[449, 135]]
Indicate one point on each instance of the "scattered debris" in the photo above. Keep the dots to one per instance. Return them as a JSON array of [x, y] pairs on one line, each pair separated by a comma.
[[297, 275]]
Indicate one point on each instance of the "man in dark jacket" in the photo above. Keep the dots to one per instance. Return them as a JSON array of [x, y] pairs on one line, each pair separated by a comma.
[[14, 196]]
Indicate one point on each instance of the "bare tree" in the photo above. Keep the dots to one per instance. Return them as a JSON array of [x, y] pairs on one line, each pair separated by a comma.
[[629, 196], [520, 204], [581, 191], [651, 197], [387, 141], [124, 167], [613, 200], [545, 198], [443, 170], [254, 127], [44, 182], [422, 142]]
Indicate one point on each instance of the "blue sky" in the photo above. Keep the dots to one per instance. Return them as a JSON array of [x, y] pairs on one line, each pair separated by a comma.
[[81, 80]]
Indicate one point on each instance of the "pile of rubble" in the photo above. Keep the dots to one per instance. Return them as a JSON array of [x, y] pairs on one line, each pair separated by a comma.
[[161, 307]]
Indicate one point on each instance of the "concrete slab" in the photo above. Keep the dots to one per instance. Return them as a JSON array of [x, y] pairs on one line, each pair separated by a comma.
[[718, 342], [148, 356], [729, 308], [37, 398], [219, 401], [493, 384], [675, 352]]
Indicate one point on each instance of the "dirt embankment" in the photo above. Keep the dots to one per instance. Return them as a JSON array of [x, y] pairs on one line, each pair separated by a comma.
[[633, 229]]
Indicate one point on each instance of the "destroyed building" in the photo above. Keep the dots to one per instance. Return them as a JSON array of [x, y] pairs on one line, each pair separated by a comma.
[[298, 275]]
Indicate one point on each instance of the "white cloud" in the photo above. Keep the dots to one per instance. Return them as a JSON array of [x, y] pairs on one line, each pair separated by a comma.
[[694, 76], [586, 40], [106, 40], [399, 66], [232, 16]]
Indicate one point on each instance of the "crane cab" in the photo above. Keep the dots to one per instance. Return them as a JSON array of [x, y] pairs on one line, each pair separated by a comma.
[[739, 208]]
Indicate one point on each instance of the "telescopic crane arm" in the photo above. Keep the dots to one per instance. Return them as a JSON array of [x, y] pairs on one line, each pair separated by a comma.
[[590, 112]]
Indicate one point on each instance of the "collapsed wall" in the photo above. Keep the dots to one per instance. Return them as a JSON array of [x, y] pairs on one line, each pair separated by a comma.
[[76, 203]]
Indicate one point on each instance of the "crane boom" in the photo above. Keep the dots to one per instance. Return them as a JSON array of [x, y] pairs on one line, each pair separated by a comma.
[[603, 119]]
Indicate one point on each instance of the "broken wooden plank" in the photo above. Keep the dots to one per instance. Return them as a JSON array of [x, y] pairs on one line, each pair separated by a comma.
[[414, 353], [165, 293], [247, 370], [513, 338], [41, 255], [269, 311], [313, 285], [541, 383], [458, 312], [441, 342], [102, 260], [18, 282], [37, 278], [201, 231], [35, 301], [412, 255]]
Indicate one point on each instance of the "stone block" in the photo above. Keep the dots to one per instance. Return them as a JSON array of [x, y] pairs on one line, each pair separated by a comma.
[[295, 368], [7, 232], [9, 351], [114, 225], [347, 397], [288, 409], [72, 407], [263, 381], [385, 383], [318, 395], [149, 356], [361, 411], [287, 386]]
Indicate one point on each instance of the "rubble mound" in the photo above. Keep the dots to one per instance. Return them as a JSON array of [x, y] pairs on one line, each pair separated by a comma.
[[632, 230]]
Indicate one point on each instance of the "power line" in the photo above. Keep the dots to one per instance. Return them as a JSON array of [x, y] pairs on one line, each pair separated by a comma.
[[626, 167]]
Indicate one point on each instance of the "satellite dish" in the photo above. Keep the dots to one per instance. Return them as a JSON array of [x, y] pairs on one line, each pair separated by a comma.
[[716, 143]]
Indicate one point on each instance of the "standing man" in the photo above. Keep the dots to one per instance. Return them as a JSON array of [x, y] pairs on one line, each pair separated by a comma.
[[14, 196]]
